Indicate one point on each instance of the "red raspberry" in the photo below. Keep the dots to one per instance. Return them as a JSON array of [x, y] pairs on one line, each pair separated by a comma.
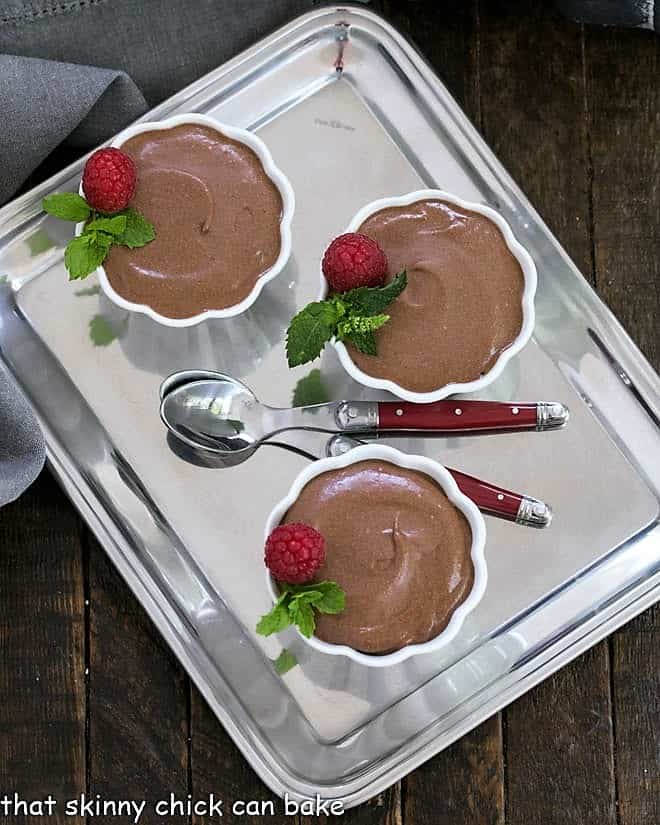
[[354, 260], [109, 180], [294, 552]]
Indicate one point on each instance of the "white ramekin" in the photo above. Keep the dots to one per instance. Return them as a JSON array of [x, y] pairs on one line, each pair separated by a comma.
[[529, 274], [439, 474], [274, 173]]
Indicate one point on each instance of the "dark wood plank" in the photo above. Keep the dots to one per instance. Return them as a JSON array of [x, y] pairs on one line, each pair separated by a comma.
[[624, 94], [558, 742], [384, 809], [219, 768], [636, 692], [465, 783], [558, 748], [534, 113], [42, 677], [138, 699]]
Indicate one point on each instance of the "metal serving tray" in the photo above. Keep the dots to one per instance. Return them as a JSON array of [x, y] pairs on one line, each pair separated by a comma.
[[351, 113]]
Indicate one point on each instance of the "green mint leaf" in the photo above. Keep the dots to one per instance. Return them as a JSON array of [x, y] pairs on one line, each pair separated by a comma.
[[364, 342], [373, 300], [308, 597], [284, 662], [277, 620], [310, 390], [138, 231], [302, 615], [333, 598], [310, 330], [100, 238], [294, 589], [359, 330], [114, 226], [360, 324], [84, 254], [69, 206]]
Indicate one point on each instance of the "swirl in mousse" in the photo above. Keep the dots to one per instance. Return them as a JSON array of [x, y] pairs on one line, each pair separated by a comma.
[[396, 545], [463, 303], [217, 216]]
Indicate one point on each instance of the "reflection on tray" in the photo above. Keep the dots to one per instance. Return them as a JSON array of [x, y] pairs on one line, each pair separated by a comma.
[[238, 343]]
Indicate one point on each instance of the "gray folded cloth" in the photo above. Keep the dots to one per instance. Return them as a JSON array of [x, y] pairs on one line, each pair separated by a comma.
[[57, 101], [73, 74], [22, 448]]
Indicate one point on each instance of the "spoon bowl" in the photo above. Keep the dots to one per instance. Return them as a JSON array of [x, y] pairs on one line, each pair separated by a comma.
[[217, 414]]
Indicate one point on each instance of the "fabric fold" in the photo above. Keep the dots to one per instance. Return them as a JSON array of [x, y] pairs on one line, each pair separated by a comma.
[[22, 446], [44, 102]]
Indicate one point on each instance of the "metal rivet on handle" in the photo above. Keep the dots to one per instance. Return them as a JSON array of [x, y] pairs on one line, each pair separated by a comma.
[[458, 411], [500, 497], [515, 410], [399, 411]]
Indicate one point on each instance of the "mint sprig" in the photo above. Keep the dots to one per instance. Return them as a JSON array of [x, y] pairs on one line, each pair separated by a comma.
[[348, 316], [296, 606], [86, 252]]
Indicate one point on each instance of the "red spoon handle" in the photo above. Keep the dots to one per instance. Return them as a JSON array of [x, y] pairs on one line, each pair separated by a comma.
[[449, 416], [503, 503]]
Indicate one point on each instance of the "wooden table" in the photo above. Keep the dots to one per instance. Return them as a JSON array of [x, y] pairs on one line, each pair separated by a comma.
[[91, 699]]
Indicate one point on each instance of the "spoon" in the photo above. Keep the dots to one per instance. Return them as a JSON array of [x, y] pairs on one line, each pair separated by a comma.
[[222, 415], [491, 500]]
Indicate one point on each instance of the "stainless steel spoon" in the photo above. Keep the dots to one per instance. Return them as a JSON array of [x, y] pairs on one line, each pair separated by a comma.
[[490, 499], [222, 415]]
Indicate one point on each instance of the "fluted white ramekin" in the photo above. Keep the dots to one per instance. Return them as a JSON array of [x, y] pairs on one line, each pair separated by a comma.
[[439, 474], [274, 173], [530, 278]]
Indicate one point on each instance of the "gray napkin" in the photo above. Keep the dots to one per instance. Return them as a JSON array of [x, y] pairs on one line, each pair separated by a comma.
[[57, 101], [73, 74], [22, 448]]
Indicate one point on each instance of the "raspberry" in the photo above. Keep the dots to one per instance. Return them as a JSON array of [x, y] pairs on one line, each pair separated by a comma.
[[354, 260], [294, 552], [109, 180]]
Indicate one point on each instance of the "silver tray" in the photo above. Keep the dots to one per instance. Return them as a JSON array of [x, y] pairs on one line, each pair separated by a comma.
[[351, 113]]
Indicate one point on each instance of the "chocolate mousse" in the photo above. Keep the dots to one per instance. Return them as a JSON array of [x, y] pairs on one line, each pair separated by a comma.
[[396, 545], [463, 302], [217, 219]]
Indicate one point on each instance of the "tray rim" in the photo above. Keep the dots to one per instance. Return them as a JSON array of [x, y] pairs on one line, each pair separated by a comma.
[[624, 608]]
